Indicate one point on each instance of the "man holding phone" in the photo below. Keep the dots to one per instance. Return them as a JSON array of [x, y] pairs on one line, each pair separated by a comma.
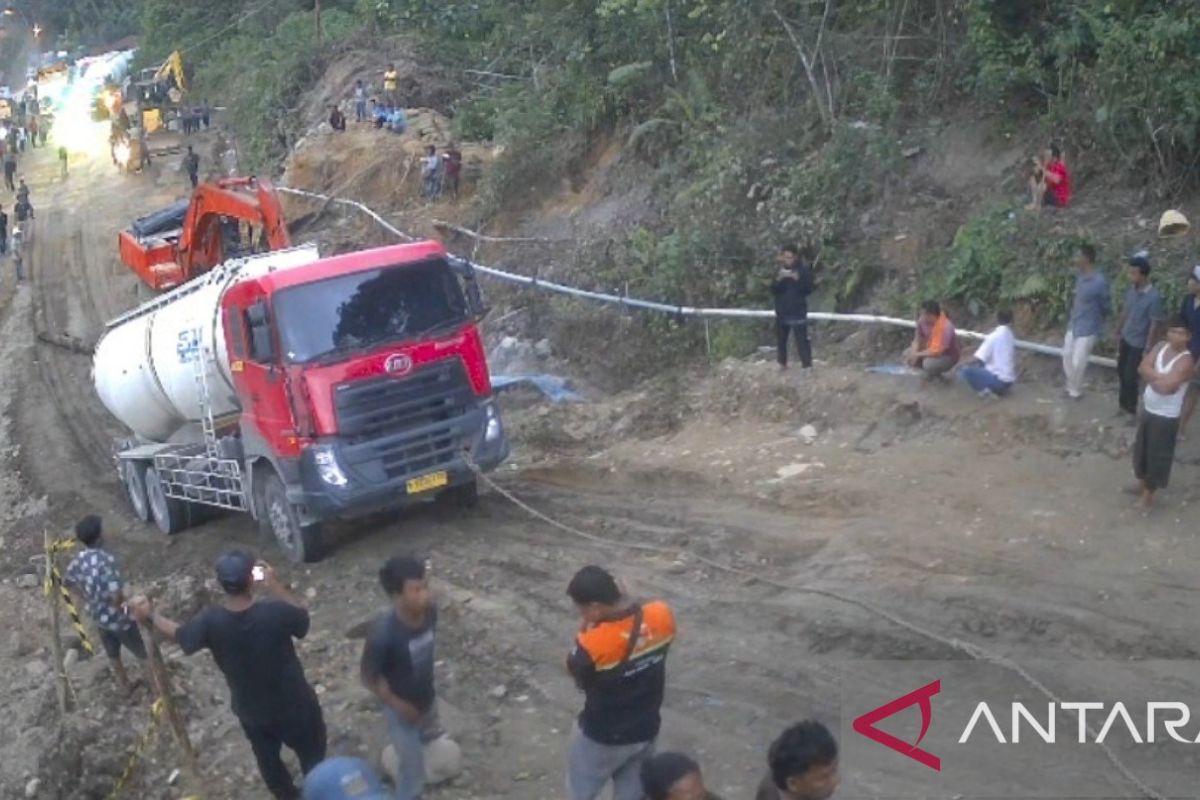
[[251, 639], [792, 285]]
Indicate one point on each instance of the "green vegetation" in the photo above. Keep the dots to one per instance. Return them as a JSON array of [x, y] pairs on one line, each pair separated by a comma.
[[754, 122], [985, 268]]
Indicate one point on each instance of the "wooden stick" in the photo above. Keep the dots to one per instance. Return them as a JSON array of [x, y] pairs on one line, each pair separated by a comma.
[[60, 672], [162, 687]]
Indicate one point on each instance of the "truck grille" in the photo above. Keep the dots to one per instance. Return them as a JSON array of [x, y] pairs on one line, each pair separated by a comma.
[[406, 426]]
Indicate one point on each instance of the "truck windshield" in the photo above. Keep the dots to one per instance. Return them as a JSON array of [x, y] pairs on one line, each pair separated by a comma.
[[356, 311]]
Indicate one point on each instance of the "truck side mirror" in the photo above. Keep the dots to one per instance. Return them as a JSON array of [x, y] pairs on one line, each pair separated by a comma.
[[466, 273], [262, 347]]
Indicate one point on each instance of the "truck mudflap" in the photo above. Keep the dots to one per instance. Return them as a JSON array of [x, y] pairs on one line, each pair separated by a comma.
[[332, 486]]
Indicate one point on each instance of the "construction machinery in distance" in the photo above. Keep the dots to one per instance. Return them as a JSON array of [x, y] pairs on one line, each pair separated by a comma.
[[157, 94], [229, 218]]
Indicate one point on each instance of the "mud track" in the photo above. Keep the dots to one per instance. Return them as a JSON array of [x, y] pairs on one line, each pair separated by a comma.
[[1017, 549]]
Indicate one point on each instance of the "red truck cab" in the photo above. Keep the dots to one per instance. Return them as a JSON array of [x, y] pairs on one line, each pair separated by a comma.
[[363, 385]]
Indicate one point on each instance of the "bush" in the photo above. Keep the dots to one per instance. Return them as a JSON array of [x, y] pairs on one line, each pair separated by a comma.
[[982, 270], [262, 78], [1116, 72]]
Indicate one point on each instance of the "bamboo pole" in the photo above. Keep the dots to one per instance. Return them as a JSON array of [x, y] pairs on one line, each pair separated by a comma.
[[60, 673], [162, 687]]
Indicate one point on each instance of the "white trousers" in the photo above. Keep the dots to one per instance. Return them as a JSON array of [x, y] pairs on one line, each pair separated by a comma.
[[1076, 352]]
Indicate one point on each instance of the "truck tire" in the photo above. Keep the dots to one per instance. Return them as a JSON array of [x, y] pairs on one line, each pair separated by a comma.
[[133, 474], [465, 495], [300, 543], [170, 515]]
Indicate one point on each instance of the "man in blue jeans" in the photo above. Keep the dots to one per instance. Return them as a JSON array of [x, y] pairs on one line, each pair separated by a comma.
[[397, 667], [991, 371]]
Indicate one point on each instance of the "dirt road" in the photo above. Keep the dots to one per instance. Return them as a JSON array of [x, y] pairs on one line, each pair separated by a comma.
[[1002, 526]]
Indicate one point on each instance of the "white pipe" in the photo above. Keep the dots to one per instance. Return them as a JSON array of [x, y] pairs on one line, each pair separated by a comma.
[[684, 311]]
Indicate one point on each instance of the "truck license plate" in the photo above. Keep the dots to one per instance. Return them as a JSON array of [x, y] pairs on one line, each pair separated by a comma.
[[426, 482]]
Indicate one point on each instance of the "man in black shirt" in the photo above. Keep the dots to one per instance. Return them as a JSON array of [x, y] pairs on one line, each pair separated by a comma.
[[191, 163], [251, 641], [397, 667], [3, 232], [792, 285]]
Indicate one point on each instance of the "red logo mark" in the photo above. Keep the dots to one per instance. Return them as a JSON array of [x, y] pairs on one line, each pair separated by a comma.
[[398, 363], [866, 724]]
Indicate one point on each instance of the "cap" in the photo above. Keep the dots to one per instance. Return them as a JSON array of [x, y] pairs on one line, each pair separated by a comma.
[[1140, 259], [1195, 273], [344, 778], [235, 568]]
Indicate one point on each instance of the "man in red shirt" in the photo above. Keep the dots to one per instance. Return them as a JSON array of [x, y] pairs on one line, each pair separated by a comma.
[[1050, 184]]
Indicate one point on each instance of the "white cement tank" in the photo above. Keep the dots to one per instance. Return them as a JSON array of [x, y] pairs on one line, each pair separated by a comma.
[[144, 366]]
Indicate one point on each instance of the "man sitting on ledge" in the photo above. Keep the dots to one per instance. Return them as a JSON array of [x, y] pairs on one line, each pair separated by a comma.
[[934, 349]]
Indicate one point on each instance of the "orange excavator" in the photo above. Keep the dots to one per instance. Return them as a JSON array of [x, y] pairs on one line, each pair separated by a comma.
[[225, 219]]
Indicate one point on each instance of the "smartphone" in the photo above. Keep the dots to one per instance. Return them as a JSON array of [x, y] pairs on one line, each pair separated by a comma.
[[258, 573]]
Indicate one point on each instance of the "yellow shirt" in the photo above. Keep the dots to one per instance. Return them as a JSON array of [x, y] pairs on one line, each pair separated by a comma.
[[390, 79]]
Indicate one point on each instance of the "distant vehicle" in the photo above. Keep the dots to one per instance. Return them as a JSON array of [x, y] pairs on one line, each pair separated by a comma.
[[156, 93]]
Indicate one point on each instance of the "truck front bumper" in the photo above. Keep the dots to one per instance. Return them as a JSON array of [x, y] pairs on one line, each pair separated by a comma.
[[336, 481]]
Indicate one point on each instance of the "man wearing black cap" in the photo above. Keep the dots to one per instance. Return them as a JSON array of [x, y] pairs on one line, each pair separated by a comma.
[[251, 641], [1138, 328]]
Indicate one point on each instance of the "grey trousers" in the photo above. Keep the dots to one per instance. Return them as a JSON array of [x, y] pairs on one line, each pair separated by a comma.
[[591, 765]]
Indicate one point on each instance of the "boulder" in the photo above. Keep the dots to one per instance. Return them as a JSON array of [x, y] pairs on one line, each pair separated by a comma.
[[443, 761]]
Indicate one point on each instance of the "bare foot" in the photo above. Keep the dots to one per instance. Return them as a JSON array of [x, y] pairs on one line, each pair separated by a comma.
[[1134, 489], [1146, 500]]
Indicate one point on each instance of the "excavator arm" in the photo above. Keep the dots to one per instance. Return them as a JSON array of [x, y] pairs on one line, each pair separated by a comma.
[[174, 255], [173, 68], [250, 200]]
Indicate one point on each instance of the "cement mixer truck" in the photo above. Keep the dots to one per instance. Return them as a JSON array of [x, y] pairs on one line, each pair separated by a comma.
[[300, 389]]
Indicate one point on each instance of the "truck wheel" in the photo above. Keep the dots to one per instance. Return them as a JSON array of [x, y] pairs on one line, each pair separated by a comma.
[[301, 543], [465, 495], [170, 515], [133, 473]]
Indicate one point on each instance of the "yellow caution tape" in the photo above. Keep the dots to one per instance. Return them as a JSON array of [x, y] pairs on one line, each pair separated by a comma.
[[138, 750]]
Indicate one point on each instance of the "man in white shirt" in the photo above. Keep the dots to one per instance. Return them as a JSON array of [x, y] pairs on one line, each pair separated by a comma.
[[991, 371]]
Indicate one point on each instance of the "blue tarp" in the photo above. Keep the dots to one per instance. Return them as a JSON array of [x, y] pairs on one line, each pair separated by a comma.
[[552, 386]]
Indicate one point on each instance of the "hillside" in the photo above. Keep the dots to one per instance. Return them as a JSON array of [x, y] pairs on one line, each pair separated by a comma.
[[666, 148]]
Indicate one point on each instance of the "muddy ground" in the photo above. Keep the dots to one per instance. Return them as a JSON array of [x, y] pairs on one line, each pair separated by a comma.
[[1000, 524]]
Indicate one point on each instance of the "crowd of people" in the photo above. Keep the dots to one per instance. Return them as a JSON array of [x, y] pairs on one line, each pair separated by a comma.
[[618, 661], [193, 118], [440, 172], [27, 127], [1158, 357], [12, 242]]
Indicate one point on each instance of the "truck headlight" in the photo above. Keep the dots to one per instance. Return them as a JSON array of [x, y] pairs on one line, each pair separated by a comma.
[[327, 466], [494, 429]]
